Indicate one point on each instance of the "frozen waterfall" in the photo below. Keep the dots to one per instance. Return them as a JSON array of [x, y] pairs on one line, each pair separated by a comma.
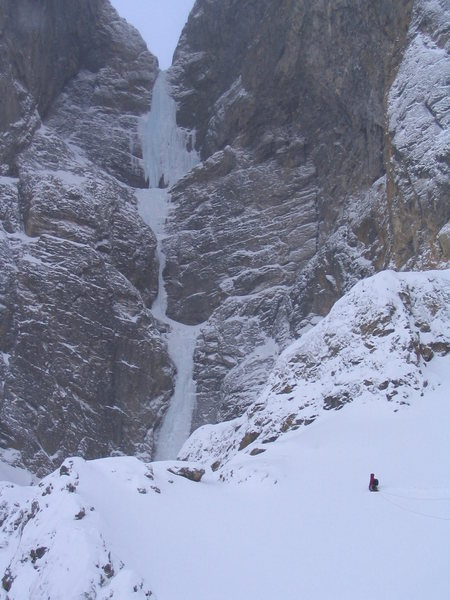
[[168, 149], [168, 155]]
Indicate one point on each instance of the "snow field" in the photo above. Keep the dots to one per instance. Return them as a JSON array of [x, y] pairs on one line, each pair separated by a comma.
[[299, 522]]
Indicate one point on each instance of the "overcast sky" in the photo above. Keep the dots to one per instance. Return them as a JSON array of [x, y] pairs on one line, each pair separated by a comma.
[[159, 21]]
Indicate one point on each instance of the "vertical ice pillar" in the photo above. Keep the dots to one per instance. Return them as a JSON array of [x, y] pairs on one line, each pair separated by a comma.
[[168, 155]]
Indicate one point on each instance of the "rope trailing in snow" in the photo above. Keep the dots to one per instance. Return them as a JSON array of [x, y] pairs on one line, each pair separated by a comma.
[[415, 512], [414, 497]]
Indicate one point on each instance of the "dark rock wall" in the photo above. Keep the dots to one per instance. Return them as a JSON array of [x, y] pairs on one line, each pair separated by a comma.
[[302, 95], [83, 369], [319, 68], [42, 49], [103, 69], [295, 201]]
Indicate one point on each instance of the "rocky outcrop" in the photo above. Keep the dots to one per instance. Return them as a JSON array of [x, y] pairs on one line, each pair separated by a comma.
[[296, 199], [83, 369], [188, 473], [405, 316]]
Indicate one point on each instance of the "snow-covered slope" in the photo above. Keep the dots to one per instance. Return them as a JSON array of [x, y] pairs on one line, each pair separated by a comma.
[[295, 521], [11, 473]]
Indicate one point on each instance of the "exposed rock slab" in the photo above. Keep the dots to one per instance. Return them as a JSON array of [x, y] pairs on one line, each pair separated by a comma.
[[418, 141]]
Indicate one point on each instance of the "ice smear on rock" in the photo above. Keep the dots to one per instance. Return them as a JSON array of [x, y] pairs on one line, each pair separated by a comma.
[[168, 156]]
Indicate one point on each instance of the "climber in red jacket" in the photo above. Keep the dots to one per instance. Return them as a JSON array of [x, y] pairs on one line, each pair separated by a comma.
[[373, 484]]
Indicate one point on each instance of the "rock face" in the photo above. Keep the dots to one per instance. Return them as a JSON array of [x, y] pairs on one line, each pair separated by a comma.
[[313, 171], [418, 141], [45, 46], [83, 369]]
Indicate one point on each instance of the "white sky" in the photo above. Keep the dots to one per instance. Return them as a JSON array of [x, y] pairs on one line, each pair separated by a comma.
[[159, 21]]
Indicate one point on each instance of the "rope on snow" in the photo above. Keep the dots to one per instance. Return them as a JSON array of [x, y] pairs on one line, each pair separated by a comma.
[[415, 512]]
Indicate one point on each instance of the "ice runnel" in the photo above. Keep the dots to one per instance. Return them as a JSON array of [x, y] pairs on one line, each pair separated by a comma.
[[168, 155]]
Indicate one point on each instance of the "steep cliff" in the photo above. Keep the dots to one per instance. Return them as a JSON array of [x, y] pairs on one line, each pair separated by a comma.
[[301, 111], [83, 369]]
